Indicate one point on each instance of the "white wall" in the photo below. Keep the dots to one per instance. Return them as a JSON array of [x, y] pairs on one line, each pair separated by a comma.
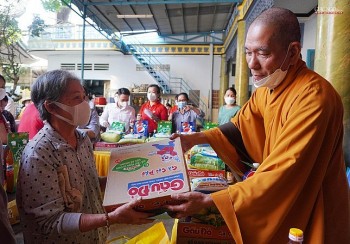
[[309, 39], [122, 69], [194, 69]]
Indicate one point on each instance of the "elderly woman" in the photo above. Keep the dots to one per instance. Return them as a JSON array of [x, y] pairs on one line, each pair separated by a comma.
[[58, 191]]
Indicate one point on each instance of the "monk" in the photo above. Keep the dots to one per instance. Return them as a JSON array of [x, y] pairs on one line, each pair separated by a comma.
[[293, 126]]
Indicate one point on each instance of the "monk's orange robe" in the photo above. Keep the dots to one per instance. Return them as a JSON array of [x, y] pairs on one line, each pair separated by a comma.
[[296, 133]]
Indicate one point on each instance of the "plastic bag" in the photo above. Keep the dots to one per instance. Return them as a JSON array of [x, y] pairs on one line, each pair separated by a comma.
[[155, 234]]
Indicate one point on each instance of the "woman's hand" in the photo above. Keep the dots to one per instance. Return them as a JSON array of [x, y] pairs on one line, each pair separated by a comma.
[[105, 124], [193, 203], [191, 107], [126, 214], [188, 107]]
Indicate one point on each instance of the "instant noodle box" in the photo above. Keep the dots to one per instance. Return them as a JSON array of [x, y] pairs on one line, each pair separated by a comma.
[[189, 233], [152, 171]]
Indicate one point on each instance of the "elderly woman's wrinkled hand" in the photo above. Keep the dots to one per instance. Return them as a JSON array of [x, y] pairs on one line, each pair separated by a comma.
[[126, 214]]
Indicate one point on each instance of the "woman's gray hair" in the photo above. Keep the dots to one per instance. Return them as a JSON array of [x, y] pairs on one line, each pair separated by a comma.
[[49, 87]]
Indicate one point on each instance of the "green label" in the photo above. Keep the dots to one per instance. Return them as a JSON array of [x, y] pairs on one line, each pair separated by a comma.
[[164, 127], [131, 164]]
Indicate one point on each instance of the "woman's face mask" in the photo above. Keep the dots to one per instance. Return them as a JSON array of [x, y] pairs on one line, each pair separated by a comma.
[[181, 104], [80, 113], [230, 100]]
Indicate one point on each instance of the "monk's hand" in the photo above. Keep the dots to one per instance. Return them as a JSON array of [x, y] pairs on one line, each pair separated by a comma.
[[126, 214], [191, 203], [186, 142]]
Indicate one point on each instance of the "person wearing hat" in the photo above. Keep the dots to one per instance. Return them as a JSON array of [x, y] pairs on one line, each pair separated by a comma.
[[25, 102]]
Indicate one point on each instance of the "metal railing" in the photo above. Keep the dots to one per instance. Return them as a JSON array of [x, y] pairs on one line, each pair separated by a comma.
[[153, 66]]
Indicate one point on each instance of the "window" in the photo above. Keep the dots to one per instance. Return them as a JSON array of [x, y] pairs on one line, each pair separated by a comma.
[[86, 66], [310, 58], [68, 66], [215, 99], [101, 66]]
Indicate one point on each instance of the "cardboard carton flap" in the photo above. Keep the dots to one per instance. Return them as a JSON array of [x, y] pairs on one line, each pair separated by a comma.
[[152, 171]]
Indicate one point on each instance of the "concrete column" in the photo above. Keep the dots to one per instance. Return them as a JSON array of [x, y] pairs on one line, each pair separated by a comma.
[[332, 54], [242, 78], [224, 79]]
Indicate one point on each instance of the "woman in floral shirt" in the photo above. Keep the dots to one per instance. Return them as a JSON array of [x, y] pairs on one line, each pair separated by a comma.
[[58, 194]]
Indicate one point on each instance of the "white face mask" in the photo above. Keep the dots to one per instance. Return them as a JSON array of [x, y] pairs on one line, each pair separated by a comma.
[[122, 104], [275, 79], [80, 113], [230, 100], [2, 93], [152, 96]]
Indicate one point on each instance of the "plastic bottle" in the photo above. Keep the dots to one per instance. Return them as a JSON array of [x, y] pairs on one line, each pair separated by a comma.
[[296, 236], [229, 175], [9, 175]]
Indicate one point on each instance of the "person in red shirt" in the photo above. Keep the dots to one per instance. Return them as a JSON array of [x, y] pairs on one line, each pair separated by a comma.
[[30, 121], [153, 111], [173, 109]]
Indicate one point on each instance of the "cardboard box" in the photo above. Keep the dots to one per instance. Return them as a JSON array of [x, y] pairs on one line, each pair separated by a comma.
[[189, 233], [152, 171], [195, 173], [13, 212], [108, 146]]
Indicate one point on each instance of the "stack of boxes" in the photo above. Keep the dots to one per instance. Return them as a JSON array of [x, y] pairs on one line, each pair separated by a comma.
[[206, 172], [148, 170]]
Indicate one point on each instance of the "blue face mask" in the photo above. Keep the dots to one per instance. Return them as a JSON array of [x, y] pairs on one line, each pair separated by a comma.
[[181, 104]]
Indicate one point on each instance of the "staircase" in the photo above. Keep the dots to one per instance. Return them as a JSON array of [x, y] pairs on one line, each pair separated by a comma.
[[169, 84], [150, 63]]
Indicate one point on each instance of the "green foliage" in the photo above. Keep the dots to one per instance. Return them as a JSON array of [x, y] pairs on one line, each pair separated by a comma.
[[53, 5], [11, 71], [9, 30], [37, 27], [10, 35]]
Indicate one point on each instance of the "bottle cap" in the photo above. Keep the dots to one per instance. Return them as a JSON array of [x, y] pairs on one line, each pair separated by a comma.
[[296, 234]]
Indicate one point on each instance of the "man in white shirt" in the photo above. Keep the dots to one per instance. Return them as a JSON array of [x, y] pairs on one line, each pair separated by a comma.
[[119, 111]]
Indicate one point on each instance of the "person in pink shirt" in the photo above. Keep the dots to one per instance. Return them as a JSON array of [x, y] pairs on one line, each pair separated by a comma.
[[30, 121]]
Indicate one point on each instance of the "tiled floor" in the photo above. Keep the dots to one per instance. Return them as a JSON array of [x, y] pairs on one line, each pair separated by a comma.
[[17, 227], [18, 233]]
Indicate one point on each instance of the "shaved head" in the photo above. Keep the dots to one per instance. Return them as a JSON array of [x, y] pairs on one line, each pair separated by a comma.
[[283, 21]]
